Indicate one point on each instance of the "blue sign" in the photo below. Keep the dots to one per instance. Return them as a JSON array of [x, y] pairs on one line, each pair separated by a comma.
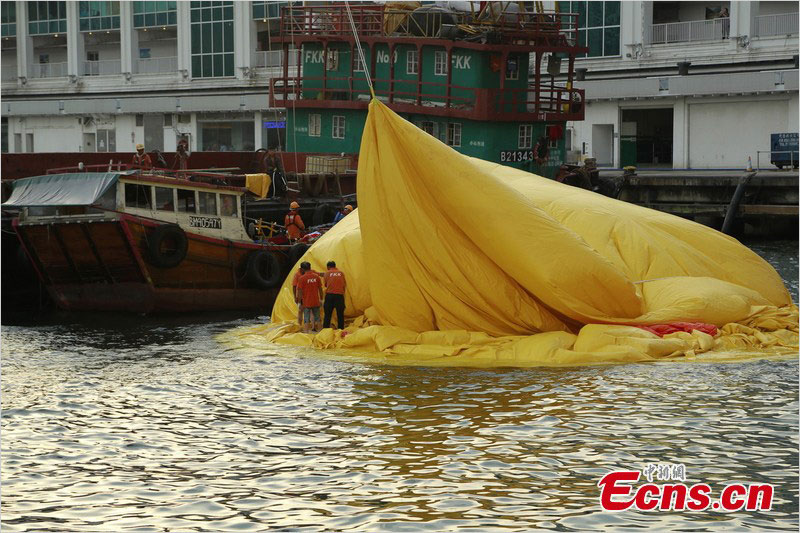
[[275, 125]]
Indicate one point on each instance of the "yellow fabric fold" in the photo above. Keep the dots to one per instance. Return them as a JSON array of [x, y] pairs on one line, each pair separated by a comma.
[[452, 260]]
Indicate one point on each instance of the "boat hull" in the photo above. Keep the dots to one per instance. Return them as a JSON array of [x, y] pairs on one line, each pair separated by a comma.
[[106, 265]]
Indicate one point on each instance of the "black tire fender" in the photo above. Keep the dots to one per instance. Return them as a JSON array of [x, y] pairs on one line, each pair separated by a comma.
[[322, 215], [172, 257], [296, 252], [263, 270]]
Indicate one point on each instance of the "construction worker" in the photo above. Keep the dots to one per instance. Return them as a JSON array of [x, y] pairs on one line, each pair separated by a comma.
[[293, 223], [273, 166], [298, 296], [335, 285], [343, 213], [310, 285], [141, 159], [181, 157]]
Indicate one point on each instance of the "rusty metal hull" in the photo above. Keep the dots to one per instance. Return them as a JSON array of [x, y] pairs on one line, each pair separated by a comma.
[[104, 265]]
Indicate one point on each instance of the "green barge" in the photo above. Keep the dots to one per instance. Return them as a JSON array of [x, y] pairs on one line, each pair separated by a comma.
[[494, 83]]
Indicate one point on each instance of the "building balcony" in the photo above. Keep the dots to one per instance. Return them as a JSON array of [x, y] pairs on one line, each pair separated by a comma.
[[9, 72], [157, 65], [105, 67], [549, 104], [689, 31], [775, 25], [272, 59], [48, 70]]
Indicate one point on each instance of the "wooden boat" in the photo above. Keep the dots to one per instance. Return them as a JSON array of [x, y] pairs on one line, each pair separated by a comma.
[[132, 241]]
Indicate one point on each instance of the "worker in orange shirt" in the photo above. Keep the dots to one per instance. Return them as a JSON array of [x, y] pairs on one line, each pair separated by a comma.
[[298, 296], [310, 285], [141, 159], [335, 284], [293, 223]]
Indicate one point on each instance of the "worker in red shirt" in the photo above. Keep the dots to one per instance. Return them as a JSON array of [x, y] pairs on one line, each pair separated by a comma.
[[293, 223], [141, 159], [298, 296], [310, 285], [335, 284]]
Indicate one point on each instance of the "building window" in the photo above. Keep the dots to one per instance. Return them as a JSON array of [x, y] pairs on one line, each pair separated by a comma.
[[512, 68], [8, 18], [525, 137], [106, 141], [454, 134], [598, 26], [4, 148], [99, 15], [333, 60], [268, 9], [154, 14], [412, 62], [45, 18], [338, 127], [440, 63], [430, 128], [223, 133], [358, 65], [553, 132], [314, 125], [212, 39]]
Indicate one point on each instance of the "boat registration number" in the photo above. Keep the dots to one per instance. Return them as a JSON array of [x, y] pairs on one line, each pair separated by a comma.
[[205, 222], [515, 156]]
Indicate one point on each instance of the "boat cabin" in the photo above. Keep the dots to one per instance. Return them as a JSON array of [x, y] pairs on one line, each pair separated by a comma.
[[200, 208]]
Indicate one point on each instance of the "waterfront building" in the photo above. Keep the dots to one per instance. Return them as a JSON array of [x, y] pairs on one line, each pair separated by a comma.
[[685, 84], [105, 76]]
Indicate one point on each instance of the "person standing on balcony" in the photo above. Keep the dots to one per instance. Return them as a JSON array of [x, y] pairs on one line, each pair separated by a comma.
[[293, 223], [141, 159]]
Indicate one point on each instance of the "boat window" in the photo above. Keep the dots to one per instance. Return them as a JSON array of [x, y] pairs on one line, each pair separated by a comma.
[[137, 195], [207, 203], [228, 205], [186, 201], [164, 199]]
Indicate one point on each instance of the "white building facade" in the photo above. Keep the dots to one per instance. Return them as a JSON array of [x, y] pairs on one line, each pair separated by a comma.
[[691, 84], [105, 76]]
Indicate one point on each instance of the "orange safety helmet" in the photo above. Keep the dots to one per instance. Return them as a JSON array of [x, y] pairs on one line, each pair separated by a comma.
[[348, 208], [294, 205]]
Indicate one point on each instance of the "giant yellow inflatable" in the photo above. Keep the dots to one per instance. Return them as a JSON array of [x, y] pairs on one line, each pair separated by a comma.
[[451, 260]]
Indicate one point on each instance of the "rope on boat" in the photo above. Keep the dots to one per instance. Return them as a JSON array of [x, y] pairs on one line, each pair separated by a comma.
[[360, 51]]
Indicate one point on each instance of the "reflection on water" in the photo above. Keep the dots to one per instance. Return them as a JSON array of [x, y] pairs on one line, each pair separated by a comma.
[[114, 423]]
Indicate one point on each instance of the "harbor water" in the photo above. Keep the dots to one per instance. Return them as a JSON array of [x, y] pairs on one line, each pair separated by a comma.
[[117, 423]]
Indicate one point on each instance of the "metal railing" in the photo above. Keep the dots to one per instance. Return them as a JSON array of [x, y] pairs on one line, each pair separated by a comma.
[[790, 161], [272, 58], [48, 70], [691, 31], [550, 103], [105, 67], [157, 65], [556, 29], [770, 25]]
